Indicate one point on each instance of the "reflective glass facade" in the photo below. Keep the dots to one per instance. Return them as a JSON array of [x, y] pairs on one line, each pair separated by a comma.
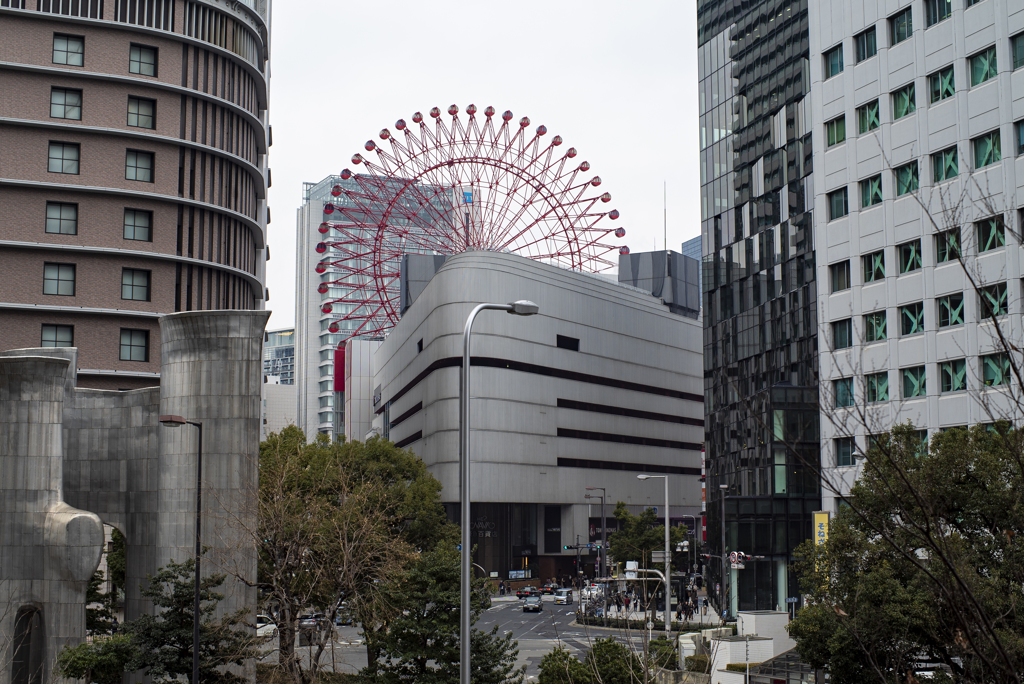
[[760, 323]]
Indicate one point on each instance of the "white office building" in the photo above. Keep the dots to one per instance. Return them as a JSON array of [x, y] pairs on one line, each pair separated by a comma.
[[920, 111]]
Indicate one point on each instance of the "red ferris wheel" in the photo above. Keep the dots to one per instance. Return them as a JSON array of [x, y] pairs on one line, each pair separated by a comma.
[[445, 185]]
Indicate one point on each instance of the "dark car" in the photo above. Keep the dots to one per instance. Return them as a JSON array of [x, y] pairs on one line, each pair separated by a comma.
[[311, 621], [527, 591], [549, 589], [532, 604]]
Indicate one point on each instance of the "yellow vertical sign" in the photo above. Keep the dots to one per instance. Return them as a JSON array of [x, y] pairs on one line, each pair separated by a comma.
[[820, 527]]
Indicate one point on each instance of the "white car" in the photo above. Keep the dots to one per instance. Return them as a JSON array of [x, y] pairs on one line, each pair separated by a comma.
[[265, 627]]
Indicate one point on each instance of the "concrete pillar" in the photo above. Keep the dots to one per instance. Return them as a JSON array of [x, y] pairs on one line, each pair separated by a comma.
[[48, 550]]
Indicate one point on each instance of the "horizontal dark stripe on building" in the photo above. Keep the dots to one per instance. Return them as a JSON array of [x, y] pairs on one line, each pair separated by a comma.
[[630, 413], [628, 439], [489, 362], [405, 416], [631, 467], [414, 437]]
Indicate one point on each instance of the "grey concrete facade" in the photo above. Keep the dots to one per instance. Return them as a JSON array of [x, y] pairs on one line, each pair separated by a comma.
[[105, 452], [603, 384]]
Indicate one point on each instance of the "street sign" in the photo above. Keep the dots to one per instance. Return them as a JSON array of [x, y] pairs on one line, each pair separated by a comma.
[[459, 547], [792, 599], [650, 625], [738, 566], [632, 565], [657, 556]]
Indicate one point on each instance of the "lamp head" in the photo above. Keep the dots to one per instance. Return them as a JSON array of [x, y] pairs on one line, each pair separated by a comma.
[[172, 421], [523, 307], [591, 488], [723, 487], [641, 476]]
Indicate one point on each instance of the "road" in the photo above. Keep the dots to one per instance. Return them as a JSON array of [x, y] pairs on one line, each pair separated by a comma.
[[537, 634]]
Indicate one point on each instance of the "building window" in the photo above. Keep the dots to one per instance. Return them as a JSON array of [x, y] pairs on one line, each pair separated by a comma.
[[874, 326], [867, 44], [58, 336], [906, 179], [138, 225], [913, 382], [142, 60], [953, 376], [834, 61], [134, 345], [135, 284], [983, 66], [138, 166], [936, 10], [63, 158], [69, 50], [941, 85], [904, 102], [995, 369], [1017, 48], [1019, 126], [951, 310], [947, 246], [566, 342], [993, 301], [991, 234], [874, 266], [871, 192], [944, 165], [867, 117], [838, 204], [972, 3], [835, 131], [910, 256], [61, 218], [987, 150], [842, 334], [59, 279], [844, 451], [843, 389], [912, 319], [877, 385], [65, 103], [840, 276], [141, 112], [901, 27]]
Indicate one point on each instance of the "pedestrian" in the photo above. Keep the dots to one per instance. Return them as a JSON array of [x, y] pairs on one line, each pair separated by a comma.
[[705, 605], [501, 588]]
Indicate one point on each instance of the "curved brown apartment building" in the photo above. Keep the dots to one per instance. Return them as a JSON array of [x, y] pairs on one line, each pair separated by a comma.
[[133, 173]]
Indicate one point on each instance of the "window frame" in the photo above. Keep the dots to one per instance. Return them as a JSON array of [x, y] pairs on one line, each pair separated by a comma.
[[138, 155], [1017, 51], [871, 387], [833, 132], [1005, 369], [840, 276], [914, 178], [135, 227], [946, 249], [63, 159], [832, 59], [67, 37], [955, 370], [918, 374], [842, 393], [993, 301], [908, 319], [990, 242], [138, 101], [872, 329], [991, 67], [133, 274], [937, 85], [941, 161], [54, 90], [933, 12], [1018, 127], [60, 219], [864, 118], [141, 47], [862, 37], [56, 335], [59, 278], [837, 328], [874, 266], [908, 262], [831, 203], [951, 310], [132, 345], [844, 458], [996, 149], [909, 91], [894, 27], [871, 189]]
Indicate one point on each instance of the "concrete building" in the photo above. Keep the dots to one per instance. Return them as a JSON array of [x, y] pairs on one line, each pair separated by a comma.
[[920, 106], [692, 248], [760, 292], [279, 355], [133, 173], [602, 385], [278, 406], [75, 459]]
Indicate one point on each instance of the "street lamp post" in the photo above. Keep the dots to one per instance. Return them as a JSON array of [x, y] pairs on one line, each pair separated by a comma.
[[519, 308], [604, 529], [693, 531], [178, 421], [668, 553], [725, 592]]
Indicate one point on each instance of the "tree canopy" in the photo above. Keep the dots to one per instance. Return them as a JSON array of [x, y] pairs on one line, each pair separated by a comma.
[[924, 565]]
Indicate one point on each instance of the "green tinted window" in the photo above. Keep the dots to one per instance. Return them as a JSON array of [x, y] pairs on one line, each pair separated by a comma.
[[871, 192], [874, 326], [983, 66], [874, 266], [867, 117], [907, 179], [940, 85], [913, 382], [912, 319], [951, 310], [944, 165], [953, 375], [903, 102]]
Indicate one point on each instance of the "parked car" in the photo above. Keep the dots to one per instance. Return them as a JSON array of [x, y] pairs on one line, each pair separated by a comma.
[[532, 604], [312, 621], [523, 592], [563, 597], [549, 589], [265, 627], [344, 616]]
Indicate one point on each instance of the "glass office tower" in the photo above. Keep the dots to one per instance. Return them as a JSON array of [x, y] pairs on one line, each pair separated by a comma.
[[760, 322]]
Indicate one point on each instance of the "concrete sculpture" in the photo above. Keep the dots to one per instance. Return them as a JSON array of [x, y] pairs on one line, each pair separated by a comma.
[[72, 459]]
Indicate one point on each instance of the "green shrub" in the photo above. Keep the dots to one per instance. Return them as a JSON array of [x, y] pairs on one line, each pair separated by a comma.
[[698, 663], [740, 667]]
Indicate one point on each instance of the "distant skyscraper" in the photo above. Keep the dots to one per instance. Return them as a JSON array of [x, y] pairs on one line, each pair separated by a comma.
[[279, 355], [691, 248]]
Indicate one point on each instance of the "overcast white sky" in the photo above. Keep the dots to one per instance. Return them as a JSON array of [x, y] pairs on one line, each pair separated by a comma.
[[617, 80]]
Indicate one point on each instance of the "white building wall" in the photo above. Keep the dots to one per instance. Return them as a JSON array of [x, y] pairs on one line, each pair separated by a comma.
[[359, 388], [972, 111], [278, 406]]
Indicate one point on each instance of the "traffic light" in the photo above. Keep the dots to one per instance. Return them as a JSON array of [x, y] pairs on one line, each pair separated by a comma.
[[566, 547]]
